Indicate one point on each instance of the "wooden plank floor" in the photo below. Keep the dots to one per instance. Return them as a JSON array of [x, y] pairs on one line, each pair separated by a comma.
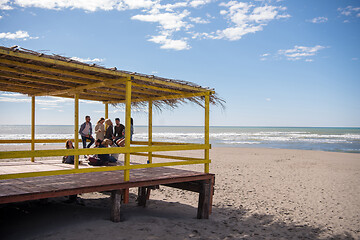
[[23, 189]]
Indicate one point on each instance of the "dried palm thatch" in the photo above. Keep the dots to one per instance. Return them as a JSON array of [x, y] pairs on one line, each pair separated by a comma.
[[37, 74]]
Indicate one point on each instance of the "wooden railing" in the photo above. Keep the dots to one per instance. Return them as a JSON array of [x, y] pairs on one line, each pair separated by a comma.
[[139, 150]]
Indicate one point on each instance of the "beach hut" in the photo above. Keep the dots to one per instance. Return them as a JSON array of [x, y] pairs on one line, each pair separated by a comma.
[[36, 74]]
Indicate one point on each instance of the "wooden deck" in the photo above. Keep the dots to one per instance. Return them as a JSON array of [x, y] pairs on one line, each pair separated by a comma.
[[24, 189]]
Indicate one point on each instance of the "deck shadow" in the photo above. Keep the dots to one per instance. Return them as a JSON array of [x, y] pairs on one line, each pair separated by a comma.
[[56, 220]]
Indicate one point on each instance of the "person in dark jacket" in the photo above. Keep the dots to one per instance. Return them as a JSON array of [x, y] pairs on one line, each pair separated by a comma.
[[118, 129], [109, 133], [86, 132]]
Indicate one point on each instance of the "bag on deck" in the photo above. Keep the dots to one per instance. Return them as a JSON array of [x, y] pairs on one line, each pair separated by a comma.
[[94, 161]]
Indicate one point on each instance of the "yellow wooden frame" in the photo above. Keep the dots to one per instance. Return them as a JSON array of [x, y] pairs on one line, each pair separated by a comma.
[[140, 148]]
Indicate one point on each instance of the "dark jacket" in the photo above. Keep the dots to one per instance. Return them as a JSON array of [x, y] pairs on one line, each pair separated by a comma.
[[82, 127], [109, 132], [118, 131]]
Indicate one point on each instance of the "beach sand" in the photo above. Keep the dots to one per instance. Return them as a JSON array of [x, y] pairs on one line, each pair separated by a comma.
[[259, 194]]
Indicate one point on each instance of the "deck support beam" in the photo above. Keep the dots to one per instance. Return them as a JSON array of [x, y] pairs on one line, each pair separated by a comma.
[[115, 205], [204, 206], [76, 129], [142, 193], [32, 126]]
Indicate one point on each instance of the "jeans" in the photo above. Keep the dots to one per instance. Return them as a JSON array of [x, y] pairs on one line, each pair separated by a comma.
[[68, 159], [112, 159], [84, 141]]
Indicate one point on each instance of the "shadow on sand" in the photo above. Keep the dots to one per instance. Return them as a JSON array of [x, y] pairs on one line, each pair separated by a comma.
[[56, 219]]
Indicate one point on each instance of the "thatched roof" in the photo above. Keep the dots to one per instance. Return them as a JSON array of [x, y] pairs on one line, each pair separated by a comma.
[[37, 74]]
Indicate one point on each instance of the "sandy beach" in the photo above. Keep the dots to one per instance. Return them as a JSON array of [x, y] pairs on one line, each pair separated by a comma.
[[259, 194]]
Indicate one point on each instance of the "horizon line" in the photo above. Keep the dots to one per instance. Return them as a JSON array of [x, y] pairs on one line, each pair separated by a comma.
[[198, 126]]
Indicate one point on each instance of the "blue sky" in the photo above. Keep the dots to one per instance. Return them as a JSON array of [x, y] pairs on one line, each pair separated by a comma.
[[276, 63]]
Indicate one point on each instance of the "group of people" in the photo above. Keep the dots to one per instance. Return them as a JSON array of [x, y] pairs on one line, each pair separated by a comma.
[[106, 136]]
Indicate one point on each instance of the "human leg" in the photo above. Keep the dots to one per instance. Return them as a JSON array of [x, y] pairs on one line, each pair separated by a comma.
[[83, 141], [91, 141]]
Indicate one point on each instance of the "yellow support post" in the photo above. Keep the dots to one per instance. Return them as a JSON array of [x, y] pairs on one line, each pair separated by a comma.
[[207, 139], [76, 125], [106, 114], [127, 127], [106, 110], [32, 126], [150, 131]]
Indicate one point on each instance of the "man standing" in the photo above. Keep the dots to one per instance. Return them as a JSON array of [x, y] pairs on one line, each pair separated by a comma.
[[118, 129], [86, 131]]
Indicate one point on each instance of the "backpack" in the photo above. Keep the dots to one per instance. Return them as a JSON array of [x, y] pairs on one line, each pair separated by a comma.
[[94, 161]]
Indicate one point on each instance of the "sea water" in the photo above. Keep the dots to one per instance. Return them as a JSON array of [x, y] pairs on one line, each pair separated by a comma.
[[325, 139]]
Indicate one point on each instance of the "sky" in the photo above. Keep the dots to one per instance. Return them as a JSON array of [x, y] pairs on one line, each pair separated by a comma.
[[274, 62]]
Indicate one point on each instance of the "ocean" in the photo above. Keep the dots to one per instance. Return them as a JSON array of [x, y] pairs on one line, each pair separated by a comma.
[[323, 139]]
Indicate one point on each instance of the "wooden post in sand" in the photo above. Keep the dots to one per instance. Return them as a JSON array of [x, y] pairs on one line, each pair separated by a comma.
[[142, 196], [204, 200], [115, 205]]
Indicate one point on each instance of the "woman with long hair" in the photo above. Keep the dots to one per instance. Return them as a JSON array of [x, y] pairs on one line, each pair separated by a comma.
[[100, 129], [68, 159], [109, 133]]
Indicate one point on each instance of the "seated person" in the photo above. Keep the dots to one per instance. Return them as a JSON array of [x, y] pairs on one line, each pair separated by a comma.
[[112, 143], [68, 159], [106, 157]]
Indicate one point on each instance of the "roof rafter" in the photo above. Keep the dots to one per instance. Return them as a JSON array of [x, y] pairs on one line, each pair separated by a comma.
[[81, 88], [97, 69]]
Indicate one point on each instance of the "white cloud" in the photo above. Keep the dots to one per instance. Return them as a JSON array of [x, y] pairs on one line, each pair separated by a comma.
[[53, 101], [4, 5], [264, 56], [319, 20], [173, 19], [1, 17], [13, 94], [355, 59], [17, 35], [268, 99], [14, 100], [87, 60], [247, 18], [301, 52], [198, 3], [349, 10], [236, 33], [199, 20], [88, 5], [167, 43], [168, 21]]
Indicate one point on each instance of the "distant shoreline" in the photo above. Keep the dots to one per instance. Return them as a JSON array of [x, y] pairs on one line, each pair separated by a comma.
[[329, 139], [212, 126]]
